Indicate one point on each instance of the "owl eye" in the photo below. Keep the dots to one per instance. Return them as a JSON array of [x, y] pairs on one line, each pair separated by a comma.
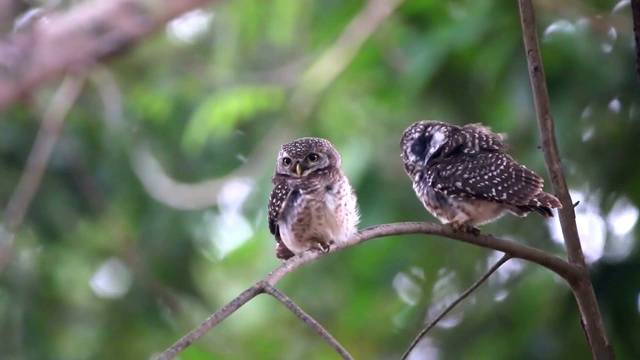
[[313, 157], [286, 162], [419, 145]]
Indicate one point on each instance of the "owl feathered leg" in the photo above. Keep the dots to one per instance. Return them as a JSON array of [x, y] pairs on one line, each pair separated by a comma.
[[463, 220], [464, 227], [282, 251]]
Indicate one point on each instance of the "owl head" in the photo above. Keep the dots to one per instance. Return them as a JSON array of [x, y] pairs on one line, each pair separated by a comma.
[[305, 156], [421, 141]]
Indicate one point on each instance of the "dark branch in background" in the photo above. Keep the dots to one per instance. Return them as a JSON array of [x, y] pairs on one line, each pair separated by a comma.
[[462, 296], [43, 146], [91, 31], [512, 249], [322, 73], [635, 9], [307, 320], [582, 289]]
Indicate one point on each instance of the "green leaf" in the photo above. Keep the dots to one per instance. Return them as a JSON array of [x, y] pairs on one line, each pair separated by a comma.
[[223, 111]]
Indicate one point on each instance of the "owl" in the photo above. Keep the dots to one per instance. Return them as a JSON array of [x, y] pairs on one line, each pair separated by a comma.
[[463, 176], [312, 204]]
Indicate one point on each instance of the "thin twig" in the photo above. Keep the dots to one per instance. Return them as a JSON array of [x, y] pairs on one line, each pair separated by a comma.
[[462, 296], [515, 250], [635, 9], [212, 321], [583, 289], [289, 304], [43, 146], [337, 58]]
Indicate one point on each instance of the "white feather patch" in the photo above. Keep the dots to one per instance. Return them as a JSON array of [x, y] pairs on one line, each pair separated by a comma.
[[437, 140]]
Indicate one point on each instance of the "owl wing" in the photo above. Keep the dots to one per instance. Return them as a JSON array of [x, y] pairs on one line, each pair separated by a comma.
[[491, 176], [482, 137], [470, 139], [277, 201]]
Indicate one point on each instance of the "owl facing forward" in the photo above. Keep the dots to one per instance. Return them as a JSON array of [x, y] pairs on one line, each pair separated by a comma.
[[463, 176], [312, 204]]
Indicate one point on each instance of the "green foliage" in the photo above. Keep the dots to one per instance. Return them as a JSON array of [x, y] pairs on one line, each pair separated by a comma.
[[220, 113], [105, 267]]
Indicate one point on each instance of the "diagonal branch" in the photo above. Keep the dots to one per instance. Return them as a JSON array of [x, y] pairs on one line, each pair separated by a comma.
[[567, 271], [289, 304], [212, 321], [89, 32], [583, 289], [462, 296], [635, 10], [339, 56], [43, 146]]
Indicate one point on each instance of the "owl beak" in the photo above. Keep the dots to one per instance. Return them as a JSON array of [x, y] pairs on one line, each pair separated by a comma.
[[299, 169]]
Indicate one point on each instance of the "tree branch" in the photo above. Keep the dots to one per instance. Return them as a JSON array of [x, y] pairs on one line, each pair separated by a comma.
[[308, 320], [212, 321], [335, 60], [43, 146], [635, 10], [89, 32], [513, 249], [582, 289], [462, 296]]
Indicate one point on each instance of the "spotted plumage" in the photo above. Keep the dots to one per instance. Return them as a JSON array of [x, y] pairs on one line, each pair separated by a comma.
[[463, 176], [312, 204]]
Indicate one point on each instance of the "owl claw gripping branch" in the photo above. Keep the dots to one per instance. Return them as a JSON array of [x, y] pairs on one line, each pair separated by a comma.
[[464, 178], [312, 204]]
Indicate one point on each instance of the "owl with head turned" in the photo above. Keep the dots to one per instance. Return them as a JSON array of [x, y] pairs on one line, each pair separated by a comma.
[[312, 205], [463, 176]]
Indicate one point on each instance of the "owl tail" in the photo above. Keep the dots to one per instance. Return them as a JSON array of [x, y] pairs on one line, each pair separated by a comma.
[[542, 203]]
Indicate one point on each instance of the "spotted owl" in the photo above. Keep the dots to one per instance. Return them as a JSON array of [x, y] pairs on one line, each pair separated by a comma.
[[312, 204], [463, 176]]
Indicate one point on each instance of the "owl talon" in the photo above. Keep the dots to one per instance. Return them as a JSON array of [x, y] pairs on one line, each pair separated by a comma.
[[466, 228], [323, 247]]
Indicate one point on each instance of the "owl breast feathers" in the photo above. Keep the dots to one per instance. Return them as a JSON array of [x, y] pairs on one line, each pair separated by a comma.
[[312, 204], [464, 178]]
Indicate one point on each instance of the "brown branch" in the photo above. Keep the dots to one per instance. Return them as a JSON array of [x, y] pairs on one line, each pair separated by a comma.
[[582, 289], [462, 296], [547, 134], [635, 9], [289, 304], [43, 146], [564, 269], [89, 32], [212, 321]]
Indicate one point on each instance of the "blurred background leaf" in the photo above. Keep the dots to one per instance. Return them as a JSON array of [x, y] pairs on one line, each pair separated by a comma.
[[220, 113]]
